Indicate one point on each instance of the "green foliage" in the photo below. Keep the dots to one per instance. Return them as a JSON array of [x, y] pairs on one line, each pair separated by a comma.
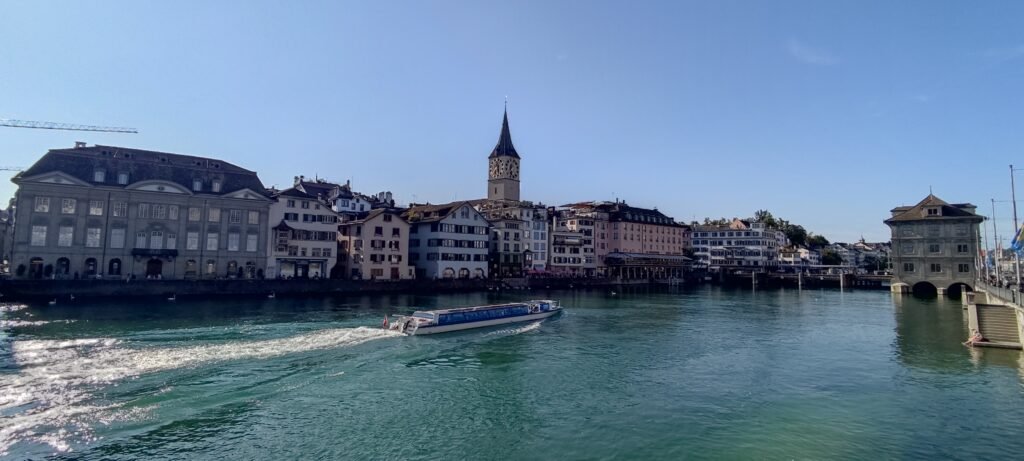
[[817, 241], [831, 258]]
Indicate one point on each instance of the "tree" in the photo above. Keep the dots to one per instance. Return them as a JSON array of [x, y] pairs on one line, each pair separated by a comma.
[[831, 258], [766, 217], [816, 241]]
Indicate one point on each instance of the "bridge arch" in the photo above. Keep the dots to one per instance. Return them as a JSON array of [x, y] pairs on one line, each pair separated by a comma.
[[957, 289], [924, 290]]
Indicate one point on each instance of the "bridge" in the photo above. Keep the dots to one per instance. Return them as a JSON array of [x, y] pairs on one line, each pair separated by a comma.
[[995, 316]]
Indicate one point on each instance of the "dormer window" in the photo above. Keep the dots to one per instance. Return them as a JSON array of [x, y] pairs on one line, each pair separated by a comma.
[[122, 178], [197, 185], [216, 186], [99, 175], [933, 212]]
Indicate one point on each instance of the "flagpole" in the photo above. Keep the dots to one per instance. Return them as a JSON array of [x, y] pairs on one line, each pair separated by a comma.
[[995, 240], [1016, 226]]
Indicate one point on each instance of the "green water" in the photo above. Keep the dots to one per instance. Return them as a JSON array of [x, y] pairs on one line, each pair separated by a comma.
[[702, 373]]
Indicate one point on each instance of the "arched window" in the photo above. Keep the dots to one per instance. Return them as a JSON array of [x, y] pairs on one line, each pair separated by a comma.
[[211, 267], [464, 273], [35, 268], [232, 269], [448, 273], [250, 270], [63, 266], [114, 267], [191, 268], [90, 267]]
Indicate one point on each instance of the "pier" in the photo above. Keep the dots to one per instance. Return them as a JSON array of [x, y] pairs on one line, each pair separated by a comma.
[[995, 316]]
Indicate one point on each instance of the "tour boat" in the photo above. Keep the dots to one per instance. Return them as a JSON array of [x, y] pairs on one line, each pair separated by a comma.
[[445, 320]]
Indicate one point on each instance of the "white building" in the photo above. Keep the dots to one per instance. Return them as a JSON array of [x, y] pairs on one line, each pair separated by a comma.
[[448, 241], [303, 236], [740, 244]]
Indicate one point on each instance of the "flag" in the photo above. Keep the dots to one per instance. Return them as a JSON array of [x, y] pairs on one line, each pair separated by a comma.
[[1018, 240]]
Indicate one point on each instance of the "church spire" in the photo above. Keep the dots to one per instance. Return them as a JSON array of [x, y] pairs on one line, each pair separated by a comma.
[[504, 146]]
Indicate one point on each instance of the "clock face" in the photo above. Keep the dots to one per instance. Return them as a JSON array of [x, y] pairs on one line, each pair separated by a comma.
[[493, 171]]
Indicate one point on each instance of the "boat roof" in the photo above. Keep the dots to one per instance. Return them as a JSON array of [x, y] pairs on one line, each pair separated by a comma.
[[476, 308]]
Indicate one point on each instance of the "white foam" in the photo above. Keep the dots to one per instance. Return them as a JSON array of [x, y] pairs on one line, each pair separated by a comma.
[[56, 376], [517, 330], [7, 307]]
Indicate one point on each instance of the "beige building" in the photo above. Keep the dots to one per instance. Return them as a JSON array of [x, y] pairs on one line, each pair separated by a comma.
[[934, 246], [112, 212], [304, 236], [373, 247]]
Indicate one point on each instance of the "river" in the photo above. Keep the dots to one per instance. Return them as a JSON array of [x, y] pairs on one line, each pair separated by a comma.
[[702, 373]]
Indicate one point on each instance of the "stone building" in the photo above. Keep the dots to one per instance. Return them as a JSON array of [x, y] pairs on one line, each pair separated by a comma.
[[303, 237], [114, 211], [374, 246], [934, 246]]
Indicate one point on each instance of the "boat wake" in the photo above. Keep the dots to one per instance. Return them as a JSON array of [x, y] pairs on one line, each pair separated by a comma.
[[46, 401], [517, 330]]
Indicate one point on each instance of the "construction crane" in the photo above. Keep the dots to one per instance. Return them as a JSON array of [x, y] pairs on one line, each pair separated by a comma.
[[63, 126]]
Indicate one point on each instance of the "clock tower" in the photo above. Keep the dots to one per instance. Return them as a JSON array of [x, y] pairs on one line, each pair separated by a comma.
[[503, 167]]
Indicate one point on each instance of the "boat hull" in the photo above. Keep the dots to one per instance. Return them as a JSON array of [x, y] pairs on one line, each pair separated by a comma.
[[428, 330]]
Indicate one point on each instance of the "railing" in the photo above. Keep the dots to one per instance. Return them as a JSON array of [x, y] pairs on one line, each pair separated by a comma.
[[1012, 296]]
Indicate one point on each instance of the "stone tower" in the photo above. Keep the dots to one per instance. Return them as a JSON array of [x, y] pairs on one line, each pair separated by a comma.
[[503, 167]]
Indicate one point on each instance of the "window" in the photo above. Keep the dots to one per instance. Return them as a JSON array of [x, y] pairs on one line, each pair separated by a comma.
[[194, 214], [64, 235], [934, 247], [963, 268], [159, 211], [95, 208], [156, 240], [305, 205], [908, 248], [315, 252], [99, 176], [254, 217], [38, 236], [92, 237], [251, 241], [216, 186], [211, 241], [290, 204], [961, 248], [197, 185], [933, 212], [235, 216], [213, 215], [120, 209], [42, 204], [387, 218], [140, 240], [378, 231], [172, 212], [908, 267], [233, 242], [122, 178], [172, 241], [192, 241], [67, 206], [302, 251], [143, 210], [935, 267], [117, 237]]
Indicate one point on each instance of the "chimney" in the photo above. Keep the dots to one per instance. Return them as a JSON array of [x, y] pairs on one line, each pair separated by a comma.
[[79, 144]]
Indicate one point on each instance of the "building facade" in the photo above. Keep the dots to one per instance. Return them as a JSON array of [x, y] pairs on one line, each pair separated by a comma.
[[934, 246], [448, 241], [374, 246], [749, 245], [304, 236], [115, 212]]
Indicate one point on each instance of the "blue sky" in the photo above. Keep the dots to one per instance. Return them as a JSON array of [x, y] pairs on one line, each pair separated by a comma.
[[826, 113]]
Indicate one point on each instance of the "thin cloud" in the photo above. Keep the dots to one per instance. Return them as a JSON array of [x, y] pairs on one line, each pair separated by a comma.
[[808, 55]]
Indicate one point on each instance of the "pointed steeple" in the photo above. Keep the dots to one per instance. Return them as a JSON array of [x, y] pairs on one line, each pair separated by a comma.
[[504, 146]]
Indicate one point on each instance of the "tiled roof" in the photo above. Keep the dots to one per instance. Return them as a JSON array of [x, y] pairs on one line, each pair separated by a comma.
[[142, 165], [620, 212], [920, 211], [431, 213]]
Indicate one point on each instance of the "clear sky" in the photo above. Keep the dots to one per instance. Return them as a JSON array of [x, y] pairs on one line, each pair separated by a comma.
[[826, 113]]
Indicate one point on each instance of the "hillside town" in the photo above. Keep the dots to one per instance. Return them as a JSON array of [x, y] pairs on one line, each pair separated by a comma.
[[107, 212]]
